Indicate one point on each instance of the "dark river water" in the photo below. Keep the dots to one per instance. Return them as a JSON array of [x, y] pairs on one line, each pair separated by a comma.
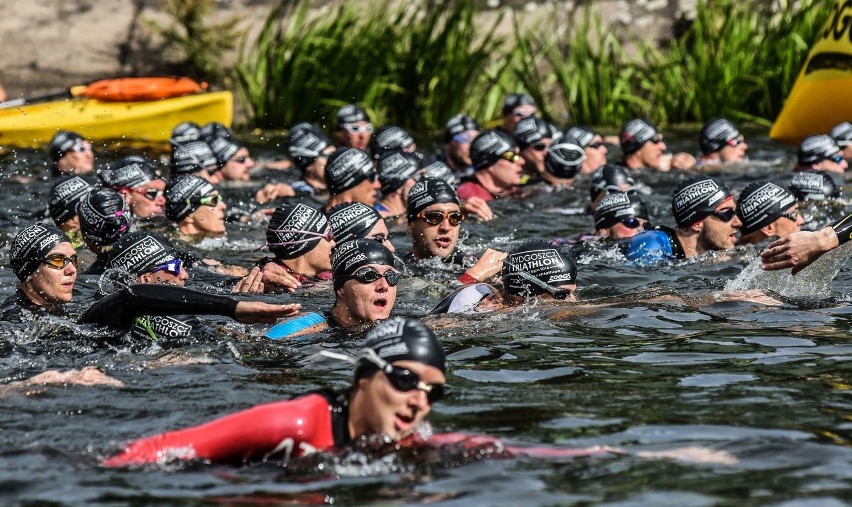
[[649, 360]]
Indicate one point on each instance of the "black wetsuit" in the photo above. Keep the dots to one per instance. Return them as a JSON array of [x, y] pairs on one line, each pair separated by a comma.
[[18, 308], [457, 257]]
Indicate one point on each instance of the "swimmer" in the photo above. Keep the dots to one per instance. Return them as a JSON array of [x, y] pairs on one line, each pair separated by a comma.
[[607, 179], [390, 138], [71, 154], [721, 143], [301, 239], [215, 130], [399, 375], [65, 195], [812, 185], [104, 219], [397, 174], [620, 216], [350, 177], [195, 158], [196, 206], [705, 213], [498, 167], [643, 146], [820, 153], [42, 258], [309, 149], [353, 220], [185, 132], [365, 285], [534, 138], [434, 222], [842, 135], [234, 159], [562, 162], [459, 131], [800, 249], [766, 211], [592, 144], [516, 106], [138, 181], [354, 129]]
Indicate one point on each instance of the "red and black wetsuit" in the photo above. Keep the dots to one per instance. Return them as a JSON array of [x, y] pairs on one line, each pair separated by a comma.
[[280, 430]]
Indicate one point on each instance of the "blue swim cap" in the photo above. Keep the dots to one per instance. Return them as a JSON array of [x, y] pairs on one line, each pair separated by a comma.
[[649, 247]]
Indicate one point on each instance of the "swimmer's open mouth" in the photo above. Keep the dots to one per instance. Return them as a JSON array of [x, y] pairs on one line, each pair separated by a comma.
[[381, 302], [443, 241]]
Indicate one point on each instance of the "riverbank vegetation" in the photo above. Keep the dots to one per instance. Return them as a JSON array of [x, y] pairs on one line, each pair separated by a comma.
[[417, 64]]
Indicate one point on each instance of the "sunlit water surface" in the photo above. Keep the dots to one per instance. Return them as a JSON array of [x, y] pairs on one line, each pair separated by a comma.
[[768, 385]]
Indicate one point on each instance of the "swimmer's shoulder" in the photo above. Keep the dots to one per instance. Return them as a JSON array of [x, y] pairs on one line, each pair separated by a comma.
[[300, 325]]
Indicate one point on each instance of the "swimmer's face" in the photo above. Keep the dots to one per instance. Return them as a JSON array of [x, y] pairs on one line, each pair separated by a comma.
[[211, 174], [388, 411], [367, 302], [166, 278], [319, 257], [518, 300], [209, 219], [734, 150], [458, 148], [786, 225], [317, 167], [651, 152], [507, 174], [139, 203], [621, 231], [366, 192], [48, 286], [534, 157], [80, 159], [512, 118], [716, 233], [595, 155], [380, 233], [434, 240], [831, 165], [72, 224], [846, 151], [356, 135], [237, 168]]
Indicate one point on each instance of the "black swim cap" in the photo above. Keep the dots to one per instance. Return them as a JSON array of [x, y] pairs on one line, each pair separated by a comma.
[[815, 149], [224, 149], [350, 256], [63, 141], [635, 133], [489, 146], [104, 216], [215, 130], [285, 233], [389, 138], [439, 170], [192, 157], [395, 168], [305, 142], [564, 159], [762, 203], [610, 178], [64, 197], [347, 167], [530, 130], [401, 339], [351, 113], [715, 135], [516, 100], [31, 246], [617, 206], [814, 186], [696, 199], [130, 172], [580, 135], [842, 134], [352, 220], [427, 192], [458, 124], [182, 196], [140, 252], [184, 133], [551, 265]]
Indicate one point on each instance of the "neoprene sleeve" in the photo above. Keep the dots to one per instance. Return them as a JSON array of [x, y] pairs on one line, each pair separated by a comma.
[[121, 308], [843, 229]]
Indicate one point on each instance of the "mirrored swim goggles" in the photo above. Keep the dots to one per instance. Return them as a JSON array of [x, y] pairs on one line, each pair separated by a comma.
[[207, 200], [355, 128], [59, 261], [172, 267]]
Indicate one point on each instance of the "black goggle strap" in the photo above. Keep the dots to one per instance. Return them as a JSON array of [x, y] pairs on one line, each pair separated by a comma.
[[553, 291], [372, 357]]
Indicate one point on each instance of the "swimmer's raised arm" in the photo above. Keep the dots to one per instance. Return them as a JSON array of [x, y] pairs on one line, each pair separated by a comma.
[[800, 249]]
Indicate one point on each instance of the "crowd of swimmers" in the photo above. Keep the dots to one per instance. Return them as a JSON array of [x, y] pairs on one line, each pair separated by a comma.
[[329, 226]]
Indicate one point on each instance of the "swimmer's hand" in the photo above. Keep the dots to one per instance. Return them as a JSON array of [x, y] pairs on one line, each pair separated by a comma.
[[488, 265], [683, 161], [251, 283], [276, 278], [478, 207], [693, 455], [257, 312], [272, 191], [798, 250]]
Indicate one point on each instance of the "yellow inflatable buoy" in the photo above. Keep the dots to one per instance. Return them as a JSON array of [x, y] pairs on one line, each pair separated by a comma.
[[822, 94]]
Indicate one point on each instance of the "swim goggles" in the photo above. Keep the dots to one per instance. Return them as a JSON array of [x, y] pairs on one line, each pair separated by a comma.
[[793, 215], [435, 217], [511, 156], [725, 215], [553, 291], [172, 267], [657, 139], [207, 200], [539, 146], [81, 147], [149, 193], [328, 235], [736, 142], [462, 138], [837, 158], [635, 223], [59, 261], [595, 145], [240, 160], [354, 128], [370, 275]]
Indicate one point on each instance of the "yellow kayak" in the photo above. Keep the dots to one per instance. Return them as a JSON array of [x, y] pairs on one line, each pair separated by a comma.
[[33, 125], [822, 95]]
